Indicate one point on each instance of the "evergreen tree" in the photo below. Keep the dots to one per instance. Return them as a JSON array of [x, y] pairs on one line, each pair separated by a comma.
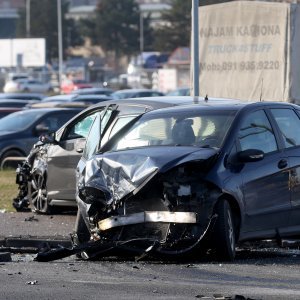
[[176, 31], [117, 26]]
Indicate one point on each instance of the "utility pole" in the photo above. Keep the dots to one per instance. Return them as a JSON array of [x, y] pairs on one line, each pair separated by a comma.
[[195, 46], [60, 41], [28, 18], [141, 37]]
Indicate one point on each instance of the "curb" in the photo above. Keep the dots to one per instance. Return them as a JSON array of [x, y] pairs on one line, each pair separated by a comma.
[[25, 244]]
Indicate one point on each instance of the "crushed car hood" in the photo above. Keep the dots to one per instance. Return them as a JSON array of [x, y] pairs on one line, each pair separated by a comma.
[[117, 174]]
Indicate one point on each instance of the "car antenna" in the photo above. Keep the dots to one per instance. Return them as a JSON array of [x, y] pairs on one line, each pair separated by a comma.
[[206, 98], [261, 90]]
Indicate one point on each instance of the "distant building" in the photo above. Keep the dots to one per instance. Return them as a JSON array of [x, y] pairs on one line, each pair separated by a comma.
[[8, 17], [81, 12], [12, 4]]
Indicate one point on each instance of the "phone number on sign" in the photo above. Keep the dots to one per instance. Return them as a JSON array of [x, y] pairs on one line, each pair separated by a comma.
[[241, 66]]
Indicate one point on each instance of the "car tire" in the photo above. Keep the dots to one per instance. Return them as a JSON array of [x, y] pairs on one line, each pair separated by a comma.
[[224, 232], [38, 195], [11, 164]]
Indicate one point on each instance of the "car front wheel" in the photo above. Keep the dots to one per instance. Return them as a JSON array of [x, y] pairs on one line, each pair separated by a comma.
[[224, 232], [37, 194]]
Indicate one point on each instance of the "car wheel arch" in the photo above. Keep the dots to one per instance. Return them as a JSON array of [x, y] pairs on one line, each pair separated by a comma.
[[14, 152]]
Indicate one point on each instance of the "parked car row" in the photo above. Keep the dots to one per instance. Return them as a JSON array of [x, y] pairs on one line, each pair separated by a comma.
[[169, 176], [27, 86]]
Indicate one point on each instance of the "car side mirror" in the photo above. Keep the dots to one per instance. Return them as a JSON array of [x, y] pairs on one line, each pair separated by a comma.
[[48, 139], [250, 155]]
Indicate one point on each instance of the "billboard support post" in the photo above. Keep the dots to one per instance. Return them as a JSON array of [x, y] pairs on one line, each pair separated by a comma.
[[195, 46], [60, 46]]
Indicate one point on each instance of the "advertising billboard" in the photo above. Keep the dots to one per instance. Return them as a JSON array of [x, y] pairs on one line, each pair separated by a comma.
[[247, 50], [22, 52]]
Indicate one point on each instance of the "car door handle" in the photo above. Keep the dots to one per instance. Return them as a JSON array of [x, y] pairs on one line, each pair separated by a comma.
[[282, 164], [79, 150]]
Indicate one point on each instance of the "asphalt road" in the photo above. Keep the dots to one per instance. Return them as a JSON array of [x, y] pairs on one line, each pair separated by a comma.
[[266, 273], [29, 224]]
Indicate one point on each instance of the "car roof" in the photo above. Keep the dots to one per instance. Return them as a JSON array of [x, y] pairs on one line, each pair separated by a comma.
[[25, 101], [58, 98], [71, 97], [166, 101], [11, 109], [50, 109], [24, 96], [135, 91], [91, 90], [223, 104]]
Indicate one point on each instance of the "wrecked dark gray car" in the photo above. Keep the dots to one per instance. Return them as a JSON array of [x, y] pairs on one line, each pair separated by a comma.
[[178, 181]]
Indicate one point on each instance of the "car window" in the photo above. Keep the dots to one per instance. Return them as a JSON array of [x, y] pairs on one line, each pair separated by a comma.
[[96, 130], [120, 123], [155, 94], [55, 121], [93, 138], [143, 94], [256, 133], [202, 129], [81, 128], [288, 121], [19, 120]]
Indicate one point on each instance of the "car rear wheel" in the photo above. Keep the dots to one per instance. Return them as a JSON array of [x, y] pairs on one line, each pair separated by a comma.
[[37, 194], [224, 232]]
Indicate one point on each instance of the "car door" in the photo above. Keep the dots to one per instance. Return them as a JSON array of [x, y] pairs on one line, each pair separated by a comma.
[[100, 125], [289, 124], [265, 182], [33, 86], [64, 156]]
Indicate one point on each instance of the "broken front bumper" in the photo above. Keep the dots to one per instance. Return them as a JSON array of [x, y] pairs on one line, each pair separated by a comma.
[[148, 217]]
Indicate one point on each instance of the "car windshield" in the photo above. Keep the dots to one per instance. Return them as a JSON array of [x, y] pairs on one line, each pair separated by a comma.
[[122, 95], [59, 98], [19, 120], [205, 128]]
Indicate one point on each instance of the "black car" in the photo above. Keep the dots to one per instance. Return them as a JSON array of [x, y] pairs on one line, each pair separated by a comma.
[[93, 91], [70, 100], [179, 180], [22, 96], [50, 167], [135, 93], [17, 102], [19, 131]]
